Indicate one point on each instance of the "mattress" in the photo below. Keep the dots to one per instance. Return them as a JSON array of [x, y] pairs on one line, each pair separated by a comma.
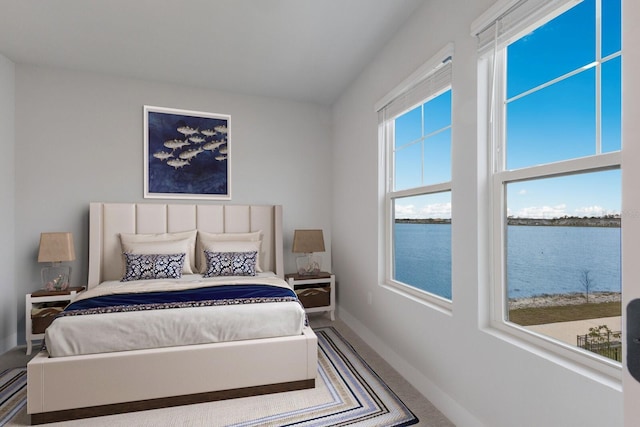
[[167, 327]]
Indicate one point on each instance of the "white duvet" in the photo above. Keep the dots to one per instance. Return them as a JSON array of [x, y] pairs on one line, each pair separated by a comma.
[[110, 332]]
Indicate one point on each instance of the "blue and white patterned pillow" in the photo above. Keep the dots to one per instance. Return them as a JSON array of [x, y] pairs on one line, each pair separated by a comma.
[[153, 266], [230, 263]]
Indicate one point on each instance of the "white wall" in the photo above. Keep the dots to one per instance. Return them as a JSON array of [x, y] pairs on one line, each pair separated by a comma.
[[475, 377], [631, 201], [8, 307], [79, 139]]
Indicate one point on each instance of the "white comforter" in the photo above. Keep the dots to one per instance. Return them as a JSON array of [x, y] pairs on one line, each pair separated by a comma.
[[109, 332]]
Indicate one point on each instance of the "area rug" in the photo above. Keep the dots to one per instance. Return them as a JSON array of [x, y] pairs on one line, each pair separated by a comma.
[[347, 392], [13, 393]]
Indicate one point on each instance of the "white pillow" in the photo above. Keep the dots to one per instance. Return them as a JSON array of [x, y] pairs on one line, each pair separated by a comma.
[[188, 238], [205, 240]]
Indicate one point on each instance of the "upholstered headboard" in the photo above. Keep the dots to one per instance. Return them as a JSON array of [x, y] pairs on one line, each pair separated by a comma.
[[108, 220]]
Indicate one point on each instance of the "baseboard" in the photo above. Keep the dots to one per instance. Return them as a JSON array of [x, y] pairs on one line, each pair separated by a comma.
[[441, 400]]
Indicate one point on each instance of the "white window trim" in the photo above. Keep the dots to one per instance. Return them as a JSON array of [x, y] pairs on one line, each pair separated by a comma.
[[386, 131], [604, 370], [535, 13]]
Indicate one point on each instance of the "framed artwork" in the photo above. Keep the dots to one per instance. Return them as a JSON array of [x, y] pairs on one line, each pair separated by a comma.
[[187, 154]]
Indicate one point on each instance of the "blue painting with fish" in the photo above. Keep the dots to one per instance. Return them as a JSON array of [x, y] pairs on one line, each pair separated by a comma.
[[187, 153]]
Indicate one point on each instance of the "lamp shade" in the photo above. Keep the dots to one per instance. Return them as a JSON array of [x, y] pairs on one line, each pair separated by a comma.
[[56, 247], [308, 241]]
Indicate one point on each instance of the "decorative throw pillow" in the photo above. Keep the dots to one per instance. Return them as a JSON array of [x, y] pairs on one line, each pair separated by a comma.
[[230, 263], [162, 247], [206, 240], [231, 246], [153, 266], [130, 242]]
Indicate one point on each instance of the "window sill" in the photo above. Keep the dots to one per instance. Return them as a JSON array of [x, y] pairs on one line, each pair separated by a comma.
[[582, 362], [422, 297]]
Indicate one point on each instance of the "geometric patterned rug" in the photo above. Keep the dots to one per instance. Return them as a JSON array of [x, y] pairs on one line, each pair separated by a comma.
[[360, 397], [347, 392], [13, 393]]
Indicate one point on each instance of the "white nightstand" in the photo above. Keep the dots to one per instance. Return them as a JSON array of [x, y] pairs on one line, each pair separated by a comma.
[[317, 293], [33, 331]]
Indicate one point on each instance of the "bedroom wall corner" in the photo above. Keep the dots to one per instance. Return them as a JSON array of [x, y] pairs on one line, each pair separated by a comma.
[[8, 285]]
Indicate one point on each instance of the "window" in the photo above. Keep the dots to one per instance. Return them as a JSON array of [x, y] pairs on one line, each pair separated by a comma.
[[555, 70], [415, 123]]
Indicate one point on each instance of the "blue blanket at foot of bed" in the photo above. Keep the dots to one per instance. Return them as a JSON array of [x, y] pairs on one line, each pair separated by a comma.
[[198, 297]]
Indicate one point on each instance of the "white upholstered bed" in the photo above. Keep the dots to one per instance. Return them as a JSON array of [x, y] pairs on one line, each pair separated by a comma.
[[80, 386]]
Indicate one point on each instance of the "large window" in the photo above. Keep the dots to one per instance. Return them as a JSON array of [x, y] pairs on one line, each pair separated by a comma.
[[416, 134], [556, 187]]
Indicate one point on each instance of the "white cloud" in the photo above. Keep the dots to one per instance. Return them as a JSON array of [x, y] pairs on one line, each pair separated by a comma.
[[405, 211], [542, 212], [594, 211], [522, 192], [434, 210]]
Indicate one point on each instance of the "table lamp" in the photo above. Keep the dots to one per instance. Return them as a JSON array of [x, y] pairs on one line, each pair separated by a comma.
[[307, 242], [56, 248]]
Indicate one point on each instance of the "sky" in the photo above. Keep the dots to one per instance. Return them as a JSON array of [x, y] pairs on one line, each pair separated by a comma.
[[553, 123]]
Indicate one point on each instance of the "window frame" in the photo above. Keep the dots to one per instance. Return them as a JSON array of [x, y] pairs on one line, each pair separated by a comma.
[[386, 134], [498, 179]]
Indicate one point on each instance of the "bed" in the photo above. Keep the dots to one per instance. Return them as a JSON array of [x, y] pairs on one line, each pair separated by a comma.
[[93, 383]]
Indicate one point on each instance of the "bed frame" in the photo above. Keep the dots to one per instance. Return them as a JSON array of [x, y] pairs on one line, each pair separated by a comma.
[[75, 387]]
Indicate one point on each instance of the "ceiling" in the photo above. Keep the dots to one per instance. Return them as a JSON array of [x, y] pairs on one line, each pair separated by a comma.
[[303, 50]]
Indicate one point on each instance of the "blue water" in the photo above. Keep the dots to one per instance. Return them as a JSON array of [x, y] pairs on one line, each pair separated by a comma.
[[423, 257], [540, 260]]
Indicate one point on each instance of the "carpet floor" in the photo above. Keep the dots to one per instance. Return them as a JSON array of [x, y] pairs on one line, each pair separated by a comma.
[[347, 392]]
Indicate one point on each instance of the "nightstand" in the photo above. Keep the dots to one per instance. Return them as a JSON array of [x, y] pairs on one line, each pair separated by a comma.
[[37, 318], [317, 293]]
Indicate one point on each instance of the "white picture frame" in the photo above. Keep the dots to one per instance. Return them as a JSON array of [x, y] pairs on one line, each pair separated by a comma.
[[187, 154]]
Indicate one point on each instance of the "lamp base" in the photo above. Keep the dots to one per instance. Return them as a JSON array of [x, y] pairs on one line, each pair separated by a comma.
[[56, 277], [309, 265]]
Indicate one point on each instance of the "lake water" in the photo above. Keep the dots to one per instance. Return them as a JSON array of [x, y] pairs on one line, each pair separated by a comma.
[[540, 260]]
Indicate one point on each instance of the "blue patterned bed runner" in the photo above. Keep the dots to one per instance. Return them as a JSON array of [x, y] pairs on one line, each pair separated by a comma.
[[198, 297]]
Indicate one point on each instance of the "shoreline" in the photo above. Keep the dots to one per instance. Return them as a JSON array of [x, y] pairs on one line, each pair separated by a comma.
[[609, 221], [554, 300]]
